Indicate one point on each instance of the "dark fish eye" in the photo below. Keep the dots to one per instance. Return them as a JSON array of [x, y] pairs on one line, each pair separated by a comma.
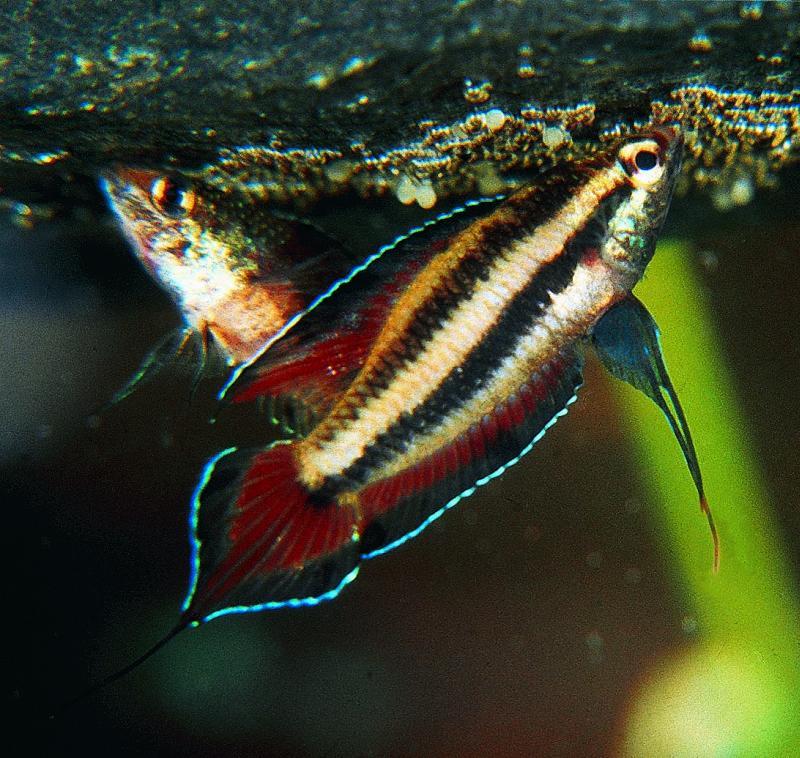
[[172, 195], [645, 160]]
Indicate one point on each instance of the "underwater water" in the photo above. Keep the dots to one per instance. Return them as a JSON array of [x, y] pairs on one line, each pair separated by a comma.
[[549, 614]]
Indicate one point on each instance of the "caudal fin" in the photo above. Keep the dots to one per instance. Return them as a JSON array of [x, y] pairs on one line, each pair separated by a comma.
[[261, 540]]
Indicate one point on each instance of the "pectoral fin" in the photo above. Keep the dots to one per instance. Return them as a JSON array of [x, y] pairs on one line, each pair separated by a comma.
[[627, 340]]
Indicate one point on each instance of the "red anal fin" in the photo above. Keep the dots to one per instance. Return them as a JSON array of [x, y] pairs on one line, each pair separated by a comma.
[[259, 539], [262, 540], [400, 507]]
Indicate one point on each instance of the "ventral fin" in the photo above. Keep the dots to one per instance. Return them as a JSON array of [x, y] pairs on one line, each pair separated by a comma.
[[291, 417], [317, 354], [627, 341], [166, 351]]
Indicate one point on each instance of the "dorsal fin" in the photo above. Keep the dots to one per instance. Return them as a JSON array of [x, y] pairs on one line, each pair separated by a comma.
[[304, 259], [317, 353]]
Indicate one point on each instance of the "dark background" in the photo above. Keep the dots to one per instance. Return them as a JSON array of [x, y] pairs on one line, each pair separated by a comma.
[[515, 625]]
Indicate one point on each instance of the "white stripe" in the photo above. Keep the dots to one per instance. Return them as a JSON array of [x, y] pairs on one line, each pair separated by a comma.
[[571, 313], [320, 457]]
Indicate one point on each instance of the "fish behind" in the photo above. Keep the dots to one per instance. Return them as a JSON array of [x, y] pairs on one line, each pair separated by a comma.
[[237, 273]]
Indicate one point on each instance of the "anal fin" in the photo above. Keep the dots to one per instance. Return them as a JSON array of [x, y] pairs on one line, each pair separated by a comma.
[[399, 507]]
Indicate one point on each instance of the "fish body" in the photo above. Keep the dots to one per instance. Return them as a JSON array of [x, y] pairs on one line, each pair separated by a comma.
[[236, 273], [426, 375]]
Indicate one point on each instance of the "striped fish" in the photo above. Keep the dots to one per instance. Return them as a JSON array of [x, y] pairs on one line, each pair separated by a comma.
[[236, 275], [430, 372]]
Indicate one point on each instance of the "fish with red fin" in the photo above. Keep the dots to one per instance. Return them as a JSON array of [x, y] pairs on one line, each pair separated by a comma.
[[435, 366], [431, 372], [237, 273]]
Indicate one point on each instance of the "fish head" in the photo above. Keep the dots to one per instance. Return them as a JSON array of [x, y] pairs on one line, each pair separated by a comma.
[[172, 223], [202, 247], [159, 213], [649, 164], [235, 268]]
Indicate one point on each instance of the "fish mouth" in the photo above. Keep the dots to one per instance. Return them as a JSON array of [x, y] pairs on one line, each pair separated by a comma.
[[670, 140], [127, 193], [121, 178]]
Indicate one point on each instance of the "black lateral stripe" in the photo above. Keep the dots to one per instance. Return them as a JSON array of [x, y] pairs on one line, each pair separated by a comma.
[[531, 208], [411, 510], [464, 381]]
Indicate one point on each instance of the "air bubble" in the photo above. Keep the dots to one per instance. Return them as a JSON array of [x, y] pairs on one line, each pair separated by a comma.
[[555, 136], [495, 119]]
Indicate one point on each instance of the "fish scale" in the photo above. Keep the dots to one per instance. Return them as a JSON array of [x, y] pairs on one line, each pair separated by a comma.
[[427, 371]]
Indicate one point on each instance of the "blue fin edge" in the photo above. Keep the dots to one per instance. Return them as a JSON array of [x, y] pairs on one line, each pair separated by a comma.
[[479, 483], [333, 593], [194, 542], [289, 325]]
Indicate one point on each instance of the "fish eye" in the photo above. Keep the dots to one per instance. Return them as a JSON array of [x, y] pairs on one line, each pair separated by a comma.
[[642, 161], [645, 160], [172, 196]]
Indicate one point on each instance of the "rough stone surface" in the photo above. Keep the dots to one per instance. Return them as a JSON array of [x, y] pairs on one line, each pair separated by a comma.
[[419, 99]]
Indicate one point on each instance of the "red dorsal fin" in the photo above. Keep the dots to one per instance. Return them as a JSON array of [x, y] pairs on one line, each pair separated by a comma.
[[316, 372], [318, 354]]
